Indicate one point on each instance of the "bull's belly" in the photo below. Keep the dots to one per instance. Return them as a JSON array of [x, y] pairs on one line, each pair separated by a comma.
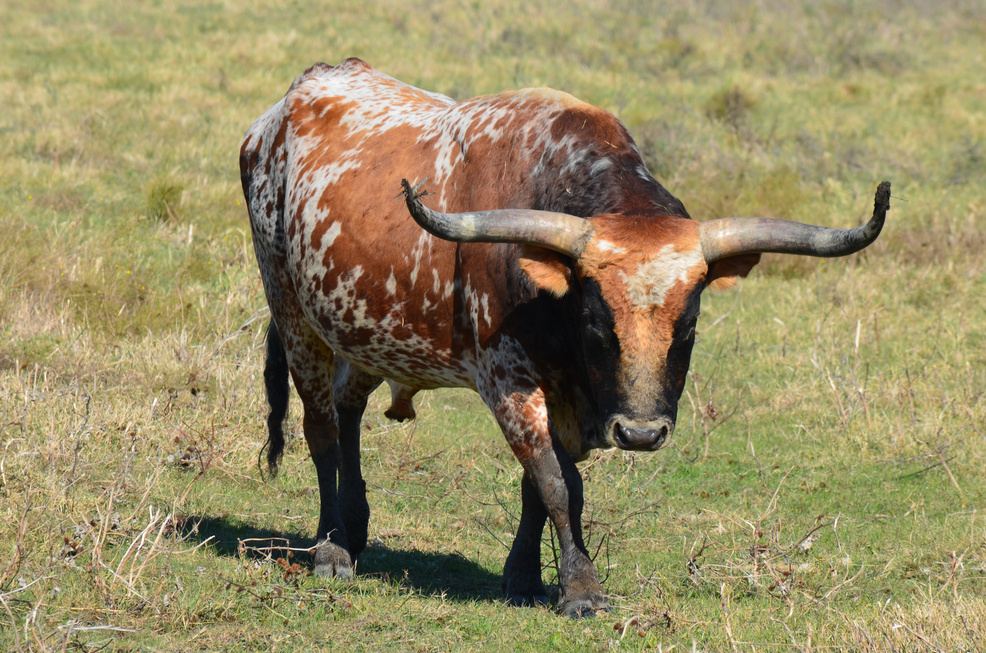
[[408, 368], [384, 301], [388, 346]]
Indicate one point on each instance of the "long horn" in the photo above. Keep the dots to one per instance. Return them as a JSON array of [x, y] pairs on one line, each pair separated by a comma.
[[560, 232], [735, 236]]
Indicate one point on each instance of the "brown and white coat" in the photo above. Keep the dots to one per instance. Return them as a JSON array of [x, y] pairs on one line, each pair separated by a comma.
[[573, 346]]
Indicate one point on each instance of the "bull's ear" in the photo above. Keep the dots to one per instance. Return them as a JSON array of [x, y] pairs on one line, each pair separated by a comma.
[[550, 271], [723, 273]]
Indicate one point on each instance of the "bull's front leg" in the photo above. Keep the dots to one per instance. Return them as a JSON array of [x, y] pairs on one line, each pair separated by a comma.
[[559, 485], [552, 487], [522, 584], [313, 368]]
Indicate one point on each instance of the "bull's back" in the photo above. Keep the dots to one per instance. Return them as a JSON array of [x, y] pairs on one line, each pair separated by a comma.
[[320, 171], [318, 159]]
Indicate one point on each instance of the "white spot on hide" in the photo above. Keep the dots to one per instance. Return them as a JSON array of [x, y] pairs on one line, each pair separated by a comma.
[[348, 298], [333, 232], [600, 166], [486, 309], [606, 246], [424, 241]]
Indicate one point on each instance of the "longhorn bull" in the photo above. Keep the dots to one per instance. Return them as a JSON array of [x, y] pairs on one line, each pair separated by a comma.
[[555, 277]]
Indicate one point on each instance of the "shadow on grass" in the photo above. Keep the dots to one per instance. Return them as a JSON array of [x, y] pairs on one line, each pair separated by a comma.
[[439, 574], [227, 536]]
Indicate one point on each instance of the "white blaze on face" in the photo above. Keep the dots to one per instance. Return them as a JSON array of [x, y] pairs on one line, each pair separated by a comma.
[[649, 286]]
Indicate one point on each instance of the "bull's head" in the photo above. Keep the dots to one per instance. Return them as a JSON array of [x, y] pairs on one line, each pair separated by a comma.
[[639, 281]]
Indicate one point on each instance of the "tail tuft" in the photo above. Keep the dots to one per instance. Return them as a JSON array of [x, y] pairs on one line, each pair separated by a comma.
[[278, 391]]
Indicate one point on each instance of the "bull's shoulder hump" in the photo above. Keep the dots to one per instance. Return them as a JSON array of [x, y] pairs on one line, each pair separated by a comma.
[[568, 115], [554, 101], [355, 82], [548, 96]]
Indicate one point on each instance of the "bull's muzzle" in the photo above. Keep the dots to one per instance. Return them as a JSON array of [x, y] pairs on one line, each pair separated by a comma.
[[649, 436]]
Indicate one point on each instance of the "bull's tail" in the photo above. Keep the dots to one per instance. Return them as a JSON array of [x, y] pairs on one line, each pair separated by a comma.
[[278, 391]]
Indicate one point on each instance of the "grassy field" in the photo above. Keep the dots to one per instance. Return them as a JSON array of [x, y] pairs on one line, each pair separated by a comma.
[[825, 488]]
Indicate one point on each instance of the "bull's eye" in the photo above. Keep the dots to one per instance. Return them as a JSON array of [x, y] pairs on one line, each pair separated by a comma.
[[592, 319], [597, 319], [598, 332], [687, 332], [592, 325]]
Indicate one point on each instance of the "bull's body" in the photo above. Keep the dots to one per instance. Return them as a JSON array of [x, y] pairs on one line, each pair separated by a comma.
[[570, 352]]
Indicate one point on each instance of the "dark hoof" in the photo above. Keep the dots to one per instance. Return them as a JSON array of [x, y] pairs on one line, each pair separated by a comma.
[[332, 561], [527, 600], [523, 590], [583, 608]]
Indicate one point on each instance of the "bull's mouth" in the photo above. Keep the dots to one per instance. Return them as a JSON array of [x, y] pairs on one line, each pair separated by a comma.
[[637, 434]]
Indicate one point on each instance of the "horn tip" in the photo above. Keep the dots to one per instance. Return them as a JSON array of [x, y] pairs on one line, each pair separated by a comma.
[[412, 197]]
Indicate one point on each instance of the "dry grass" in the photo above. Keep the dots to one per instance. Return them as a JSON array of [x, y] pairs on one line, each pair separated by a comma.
[[824, 490]]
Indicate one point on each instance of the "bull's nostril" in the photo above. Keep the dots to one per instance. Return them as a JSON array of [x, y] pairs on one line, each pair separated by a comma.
[[622, 437], [660, 435]]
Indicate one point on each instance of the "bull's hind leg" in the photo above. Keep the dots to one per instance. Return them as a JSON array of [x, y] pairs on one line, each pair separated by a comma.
[[352, 388], [331, 553], [312, 366]]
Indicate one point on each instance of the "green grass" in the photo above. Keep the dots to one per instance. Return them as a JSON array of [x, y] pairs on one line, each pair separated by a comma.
[[841, 399]]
